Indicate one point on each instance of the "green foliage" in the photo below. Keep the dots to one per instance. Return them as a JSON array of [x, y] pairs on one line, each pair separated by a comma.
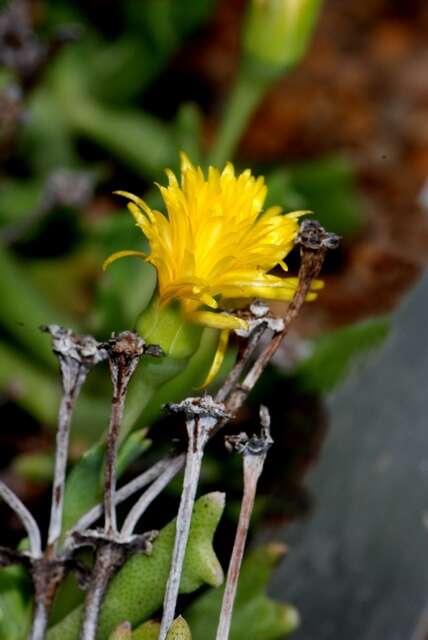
[[136, 138], [23, 309], [179, 341], [282, 192], [256, 616], [34, 467], [15, 604], [89, 89], [38, 392], [84, 485], [17, 198], [327, 186], [114, 308], [187, 381], [333, 353], [137, 590]]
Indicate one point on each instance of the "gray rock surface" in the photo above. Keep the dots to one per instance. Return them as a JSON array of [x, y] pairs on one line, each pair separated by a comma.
[[358, 566]]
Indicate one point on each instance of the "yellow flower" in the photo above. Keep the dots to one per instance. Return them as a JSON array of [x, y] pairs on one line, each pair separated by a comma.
[[215, 244]]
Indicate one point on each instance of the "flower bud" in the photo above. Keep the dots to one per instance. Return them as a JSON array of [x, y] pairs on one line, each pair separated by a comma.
[[277, 32]]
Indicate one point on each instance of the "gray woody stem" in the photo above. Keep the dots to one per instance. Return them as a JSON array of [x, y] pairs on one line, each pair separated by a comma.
[[26, 518], [148, 496], [108, 558], [201, 416], [124, 352], [40, 621], [122, 494], [254, 452], [76, 355]]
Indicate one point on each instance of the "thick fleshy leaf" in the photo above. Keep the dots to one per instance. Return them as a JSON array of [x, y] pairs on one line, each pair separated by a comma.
[[137, 590], [256, 616]]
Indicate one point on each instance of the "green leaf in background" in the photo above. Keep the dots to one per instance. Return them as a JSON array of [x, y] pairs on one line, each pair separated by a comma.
[[256, 616], [328, 187], [141, 141], [188, 131], [23, 309], [15, 603], [165, 23], [65, 281], [281, 191], [138, 588], [125, 289], [38, 392], [135, 445], [18, 198], [32, 388], [84, 485], [83, 488], [155, 29], [47, 128], [37, 468], [333, 353]]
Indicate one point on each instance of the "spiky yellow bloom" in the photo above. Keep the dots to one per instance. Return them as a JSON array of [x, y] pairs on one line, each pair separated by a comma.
[[215, 243]]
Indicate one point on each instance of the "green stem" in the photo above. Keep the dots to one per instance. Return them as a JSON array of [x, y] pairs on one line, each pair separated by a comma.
[[242, 102]]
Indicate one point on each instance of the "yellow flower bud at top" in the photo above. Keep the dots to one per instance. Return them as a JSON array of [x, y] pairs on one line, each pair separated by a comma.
[[277, 32]]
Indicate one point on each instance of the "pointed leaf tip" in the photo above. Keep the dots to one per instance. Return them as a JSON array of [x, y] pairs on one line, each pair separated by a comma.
[[179, 630], [122, 632]]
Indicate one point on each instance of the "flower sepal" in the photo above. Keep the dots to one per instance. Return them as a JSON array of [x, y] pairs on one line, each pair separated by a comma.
[[167, 326]]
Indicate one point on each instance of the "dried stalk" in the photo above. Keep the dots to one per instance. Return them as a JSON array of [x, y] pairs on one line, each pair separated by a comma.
[[314, 242], [47, 574], [108, 558], [124, 352], [232, 379], [201, 416], [125, 492], [254, 452], [77, 355], [30, 525], [148, 496]]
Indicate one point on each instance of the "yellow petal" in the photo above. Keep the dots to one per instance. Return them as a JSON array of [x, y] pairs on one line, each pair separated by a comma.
[[208, 300], [185, 163], [122, 254], [217, 320], [138, 201], [218, 358]]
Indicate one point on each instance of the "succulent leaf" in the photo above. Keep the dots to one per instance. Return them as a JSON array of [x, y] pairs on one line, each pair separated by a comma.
[[256, 616], [137, 590]]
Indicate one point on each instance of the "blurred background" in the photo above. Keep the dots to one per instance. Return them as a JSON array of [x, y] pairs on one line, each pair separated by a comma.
[[98, 95]]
